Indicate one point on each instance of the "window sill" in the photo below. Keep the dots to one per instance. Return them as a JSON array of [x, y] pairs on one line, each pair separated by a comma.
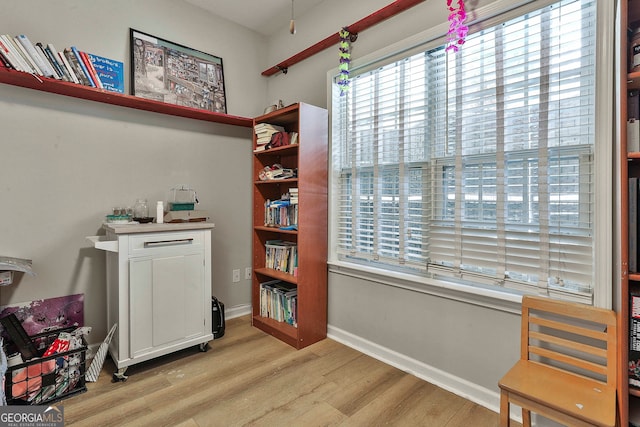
[[503, 300]]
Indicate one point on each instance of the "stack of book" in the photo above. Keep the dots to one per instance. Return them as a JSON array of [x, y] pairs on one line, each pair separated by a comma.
[[264, 132], [70, 65], [279, 301], [282, 213], [282, 256], [293, 196]]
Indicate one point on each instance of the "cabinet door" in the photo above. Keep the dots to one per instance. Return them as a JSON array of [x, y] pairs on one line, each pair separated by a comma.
[[166, 301]]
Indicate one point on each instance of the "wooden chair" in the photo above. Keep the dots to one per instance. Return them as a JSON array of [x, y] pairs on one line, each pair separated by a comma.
[[567, 366]]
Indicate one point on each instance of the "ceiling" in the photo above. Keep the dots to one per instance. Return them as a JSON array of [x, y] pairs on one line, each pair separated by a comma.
[[263, 16]]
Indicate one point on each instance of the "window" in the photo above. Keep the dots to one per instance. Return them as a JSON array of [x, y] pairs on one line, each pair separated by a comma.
[[478, 165]]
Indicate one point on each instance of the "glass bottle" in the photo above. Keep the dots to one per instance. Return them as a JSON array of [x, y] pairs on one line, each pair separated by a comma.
[[141, 209]]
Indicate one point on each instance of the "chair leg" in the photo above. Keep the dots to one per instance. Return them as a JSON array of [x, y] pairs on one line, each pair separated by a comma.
[[526, 418], [504, 409]]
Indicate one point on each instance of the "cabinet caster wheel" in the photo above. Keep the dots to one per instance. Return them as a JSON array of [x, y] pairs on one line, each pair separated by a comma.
[[119, 376], [204, 347], [117, 379]]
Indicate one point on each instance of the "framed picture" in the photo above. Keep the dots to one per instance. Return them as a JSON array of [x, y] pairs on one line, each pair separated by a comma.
[[175, 74]]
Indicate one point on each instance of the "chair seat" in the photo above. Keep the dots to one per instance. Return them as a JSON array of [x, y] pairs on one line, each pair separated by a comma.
[[579, 397]]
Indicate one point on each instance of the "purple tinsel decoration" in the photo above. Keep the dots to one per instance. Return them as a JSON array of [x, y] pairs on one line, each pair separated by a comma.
[[345, 59], [457, 30]]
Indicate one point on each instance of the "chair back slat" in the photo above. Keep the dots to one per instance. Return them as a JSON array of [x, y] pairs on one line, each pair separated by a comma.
[[569, 360], [570, 336], [569, 344]]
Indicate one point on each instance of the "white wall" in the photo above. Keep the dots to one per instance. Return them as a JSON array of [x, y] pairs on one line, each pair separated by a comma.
[[66, 162]]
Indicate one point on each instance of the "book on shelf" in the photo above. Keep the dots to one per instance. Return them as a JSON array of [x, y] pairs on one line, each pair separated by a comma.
[[5, 63], [109, 71], [62, 68], [633, 105], [264, 132], [267, 128], [7, 55], [77, 67], [48, 55], [633, 135], [293, 195], [281, 256], [92, 71], [82, 66], [69, 67], [634, 339], [282, 213], [20, 61], [278, 301], [633, 224], [30, 55]]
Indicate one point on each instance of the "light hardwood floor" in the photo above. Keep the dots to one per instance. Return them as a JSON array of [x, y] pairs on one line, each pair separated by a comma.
[[248, 378]]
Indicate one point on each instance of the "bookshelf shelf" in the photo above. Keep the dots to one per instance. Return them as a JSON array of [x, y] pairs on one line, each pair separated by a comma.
[[283, 331], [274, 230], [309, 157], [277, 181], [275, 274], [44, 84]]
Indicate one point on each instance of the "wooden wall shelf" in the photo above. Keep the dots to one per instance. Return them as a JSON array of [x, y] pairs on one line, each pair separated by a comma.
[[26, 80], [332, 40]]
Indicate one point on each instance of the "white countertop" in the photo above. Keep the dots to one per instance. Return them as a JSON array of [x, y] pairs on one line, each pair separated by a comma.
[[154, 228]]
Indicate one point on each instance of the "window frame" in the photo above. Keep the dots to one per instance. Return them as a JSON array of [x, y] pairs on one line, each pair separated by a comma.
[[477, 293]]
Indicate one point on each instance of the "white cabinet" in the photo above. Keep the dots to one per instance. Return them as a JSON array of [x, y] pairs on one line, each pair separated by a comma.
[[158, 289]]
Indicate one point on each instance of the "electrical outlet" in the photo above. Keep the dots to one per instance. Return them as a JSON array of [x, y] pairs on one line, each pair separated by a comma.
[[247, 273], [236, 276]]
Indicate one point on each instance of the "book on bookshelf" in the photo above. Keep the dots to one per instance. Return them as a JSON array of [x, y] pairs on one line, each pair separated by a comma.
[[20, 60], [278, 301], [77, 67], [293, 195], [30, 55], [633, 135], [265, 131], [52, 54], [92, 71], [69, 67], [9, 54], [282, 256], [48, 55], [109, 72], [633, 224], [82, 66], [282, 213]]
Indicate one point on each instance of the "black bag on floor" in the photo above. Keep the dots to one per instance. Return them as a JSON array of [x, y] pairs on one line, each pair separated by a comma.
[[217, 318]]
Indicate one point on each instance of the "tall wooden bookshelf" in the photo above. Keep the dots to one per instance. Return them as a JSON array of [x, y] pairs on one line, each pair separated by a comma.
[[309, 157], [628, 165]]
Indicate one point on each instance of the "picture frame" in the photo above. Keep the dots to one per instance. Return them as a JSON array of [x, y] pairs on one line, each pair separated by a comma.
[[169, 72]]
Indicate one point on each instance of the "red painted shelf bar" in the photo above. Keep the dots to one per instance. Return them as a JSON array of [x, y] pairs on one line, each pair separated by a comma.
[[22, 79], [361, 25]]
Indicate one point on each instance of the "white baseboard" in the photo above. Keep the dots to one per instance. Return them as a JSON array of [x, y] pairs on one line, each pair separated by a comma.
[[237, 311], [489, 399]]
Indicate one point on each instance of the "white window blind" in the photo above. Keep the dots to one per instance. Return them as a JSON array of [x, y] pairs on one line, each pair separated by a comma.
[[479, 164]]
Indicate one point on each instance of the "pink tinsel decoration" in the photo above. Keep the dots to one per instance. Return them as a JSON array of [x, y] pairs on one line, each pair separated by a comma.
[[457, 30]]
